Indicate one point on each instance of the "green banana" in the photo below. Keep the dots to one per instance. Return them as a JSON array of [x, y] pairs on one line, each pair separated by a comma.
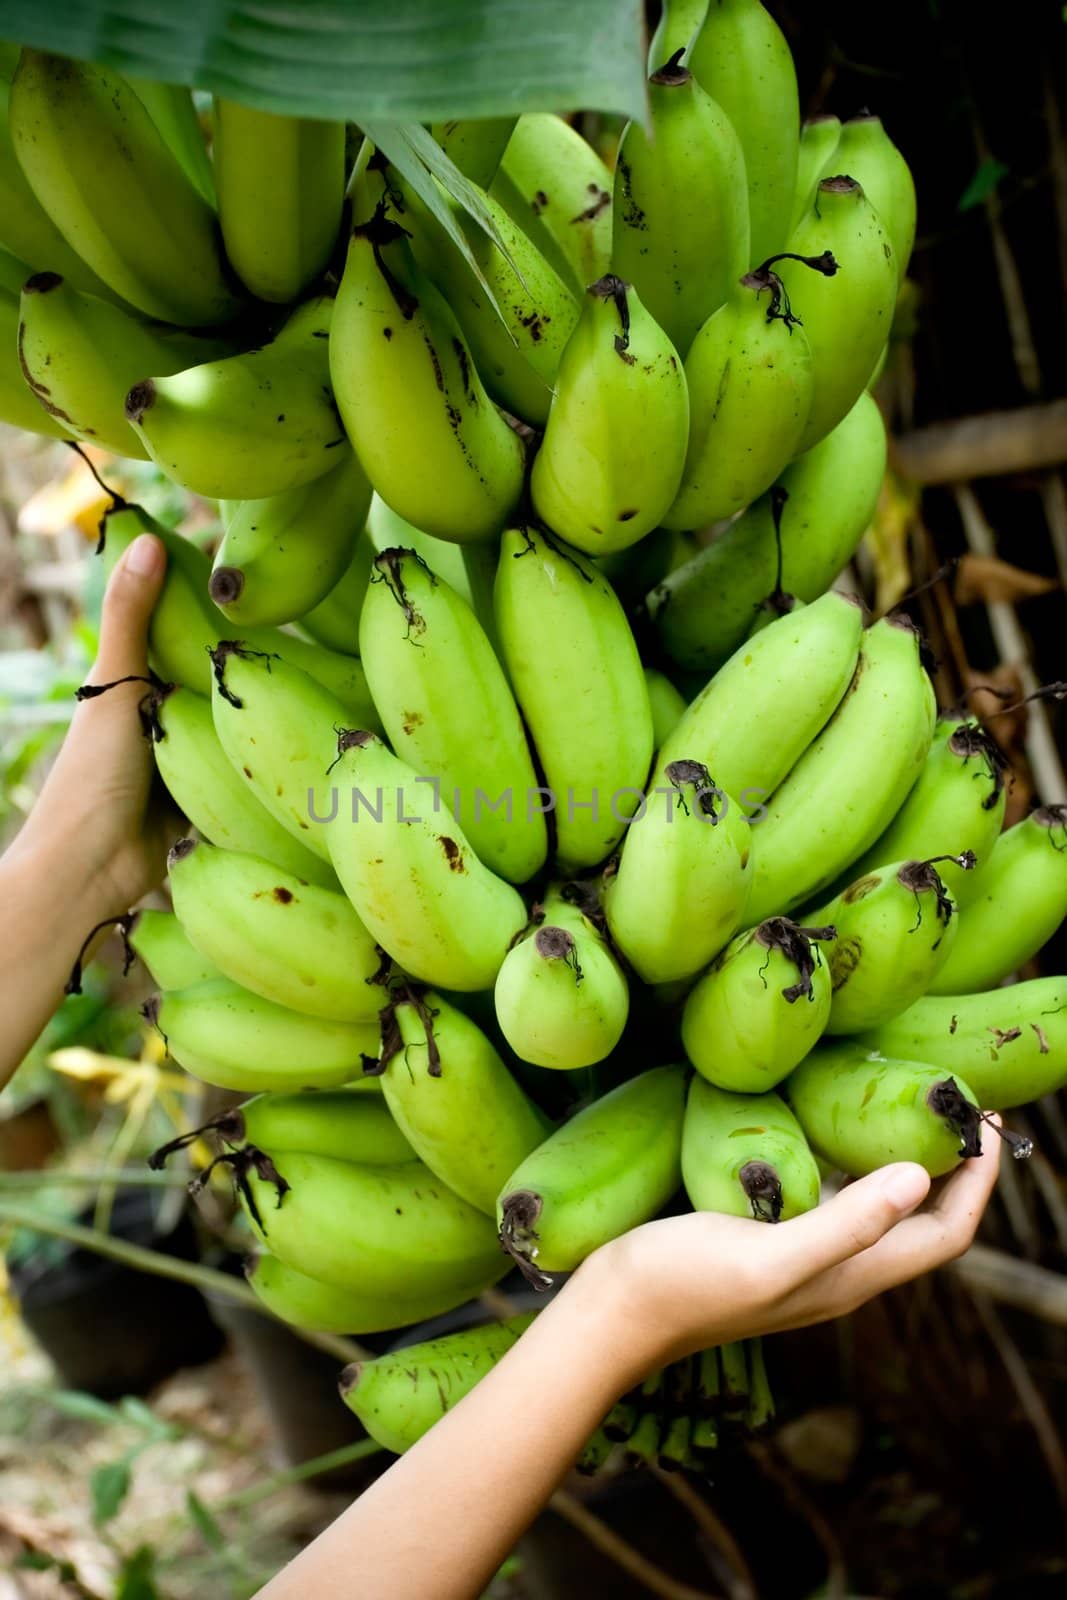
[[749, 374], [852, 779], [574, 666], [555, 186], [344, 1126], [290, 941], [454, 1099], [13, 274], [173, 961], [1010, 1044], [561, 997], [866, 152], [847, 318], [281, 556], [278, 728], [185, 625], [611, 458], [281, 189], [680, 221], [518, 321], [413, 404], [80, 354], [818, 141], [956, 806], [379, 1230], [795, 538], [334, 622], [667, 703], [1018, 905], [745, 1155], [741, 58], [173, 110], [476, 147], [309, 1303], [862, 1110], [102, 171], [681, 885], [26, 228], [679, 24], [400, 1396], [448, 710], [759, 713], [895, 930], [411, 874], [228, 1036], [19, 406], [612, 1166], [387, 530], [218, 802], [760, 1008], [251, 425]]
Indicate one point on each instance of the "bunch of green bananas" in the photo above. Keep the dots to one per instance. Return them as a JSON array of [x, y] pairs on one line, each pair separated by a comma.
[[554, 852]]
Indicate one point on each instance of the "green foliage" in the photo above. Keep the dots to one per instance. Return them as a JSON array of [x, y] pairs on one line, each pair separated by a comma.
[[982, 185]]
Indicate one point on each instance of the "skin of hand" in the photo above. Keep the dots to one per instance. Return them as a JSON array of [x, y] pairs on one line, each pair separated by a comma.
[[438, 1524], [96, 840]]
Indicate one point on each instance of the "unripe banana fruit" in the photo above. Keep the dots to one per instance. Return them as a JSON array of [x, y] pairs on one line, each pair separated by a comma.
[[1018, 905], [412, 876], [746, 1156], [795, 538], [847, 318], [749, 374], [454, 1098], [400, 1396], [861, 1110], [818, 140], [895, 929], [292, 942], [849, 783], [558, 190], [281, 556], [760, 1008], [561, 997], [326, 1308], [682, 882], [866, 152], [1010, 1044], [680, 212], [571, 657], [448, 710], [610, 1167], [249, 426], [173, 961], [611, 459], [413, 404], [345, 1126]]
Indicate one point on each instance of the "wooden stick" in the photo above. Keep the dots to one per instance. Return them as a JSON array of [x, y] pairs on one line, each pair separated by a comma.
[[1014, 1283], [988, 446]]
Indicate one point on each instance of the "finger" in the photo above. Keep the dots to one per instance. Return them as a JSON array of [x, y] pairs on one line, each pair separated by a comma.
[[131, 593], [853, 1221], [940, 1232]]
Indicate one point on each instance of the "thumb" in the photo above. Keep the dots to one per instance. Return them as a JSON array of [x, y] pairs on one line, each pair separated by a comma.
[[132, 591], [854, 1219]]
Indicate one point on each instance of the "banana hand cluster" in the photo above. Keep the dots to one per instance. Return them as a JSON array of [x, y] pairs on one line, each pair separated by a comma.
[[563, 846]]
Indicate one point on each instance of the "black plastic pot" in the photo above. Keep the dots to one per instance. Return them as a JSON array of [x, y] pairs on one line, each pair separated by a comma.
[[108, 1328], [297, 1387]]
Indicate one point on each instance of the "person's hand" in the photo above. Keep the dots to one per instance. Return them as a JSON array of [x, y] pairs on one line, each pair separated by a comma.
[[697, 1280], [94, 817]]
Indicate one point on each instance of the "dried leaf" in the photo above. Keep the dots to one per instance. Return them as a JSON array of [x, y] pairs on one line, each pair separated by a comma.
[[888, 538], [990, 580]]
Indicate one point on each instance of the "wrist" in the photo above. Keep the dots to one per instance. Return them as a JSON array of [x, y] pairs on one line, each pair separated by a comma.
[[613, 1314]]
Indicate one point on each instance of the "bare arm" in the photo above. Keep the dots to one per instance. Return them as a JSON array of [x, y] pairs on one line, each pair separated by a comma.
[[438, 1524], [93, 844]]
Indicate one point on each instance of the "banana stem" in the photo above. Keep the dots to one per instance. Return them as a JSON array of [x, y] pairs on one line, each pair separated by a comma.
[[760, 1399], [303, 1470], [207, 1279]]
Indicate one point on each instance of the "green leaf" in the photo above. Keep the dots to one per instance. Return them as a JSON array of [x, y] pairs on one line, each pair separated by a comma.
[[141, 1416], [404, 60], [204, 1522], [982, 184], [136, 1581], [411, 150], [108, 1486], [86, 1407]]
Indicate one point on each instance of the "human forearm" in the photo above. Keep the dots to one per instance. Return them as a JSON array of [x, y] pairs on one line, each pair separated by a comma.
[[440, 1522], [51, 901]]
